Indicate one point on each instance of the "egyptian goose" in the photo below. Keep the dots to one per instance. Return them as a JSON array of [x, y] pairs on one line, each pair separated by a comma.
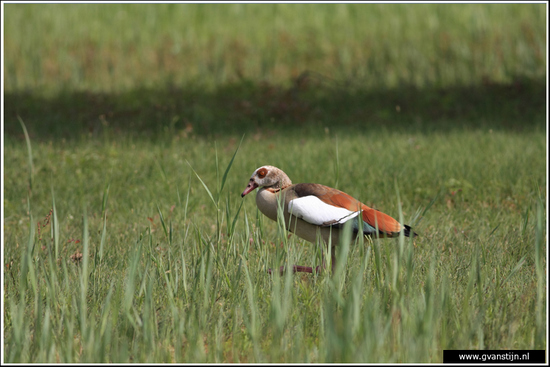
[[313, 209]]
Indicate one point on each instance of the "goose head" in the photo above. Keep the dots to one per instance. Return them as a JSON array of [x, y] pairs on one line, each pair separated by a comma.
[[269, 177]]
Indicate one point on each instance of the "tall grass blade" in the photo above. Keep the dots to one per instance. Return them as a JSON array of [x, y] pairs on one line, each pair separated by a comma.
[[130, 285], [105, 197], [234, 222], [224, 178], [187, 200], [26, 260], [253, 329], [515, 269], [105, 310], [494, 230], [55, 227], [84, 275], [541, 272], [343, 250], [525, 221], [204, 185], [29, 152], [162, 222], [104, 212]]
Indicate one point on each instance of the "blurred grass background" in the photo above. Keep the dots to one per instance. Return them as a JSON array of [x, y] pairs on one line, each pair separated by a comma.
[[446, 101], [231, 68], [116, 47]]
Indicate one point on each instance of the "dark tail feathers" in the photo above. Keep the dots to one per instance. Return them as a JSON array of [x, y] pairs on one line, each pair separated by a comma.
[[409, 231]]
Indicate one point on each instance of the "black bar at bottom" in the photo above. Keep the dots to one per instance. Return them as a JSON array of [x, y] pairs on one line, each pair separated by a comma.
[[494, 356]]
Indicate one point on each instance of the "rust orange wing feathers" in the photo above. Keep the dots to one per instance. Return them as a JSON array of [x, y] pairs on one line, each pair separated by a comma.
[[371, 216], [386, 224]]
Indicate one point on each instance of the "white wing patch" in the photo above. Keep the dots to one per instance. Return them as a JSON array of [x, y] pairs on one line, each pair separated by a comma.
[[315, 211]]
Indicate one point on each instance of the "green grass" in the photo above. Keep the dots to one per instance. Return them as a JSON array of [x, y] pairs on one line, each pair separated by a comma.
[[178, 287], [124, 146], [120, 46]]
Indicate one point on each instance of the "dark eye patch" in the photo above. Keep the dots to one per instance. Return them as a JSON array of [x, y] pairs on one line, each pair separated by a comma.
[[262, 172]]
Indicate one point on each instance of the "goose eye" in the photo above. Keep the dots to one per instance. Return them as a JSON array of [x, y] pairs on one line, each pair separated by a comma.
[[262, 172]]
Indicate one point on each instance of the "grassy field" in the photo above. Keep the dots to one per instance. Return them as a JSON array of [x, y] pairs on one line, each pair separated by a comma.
[[131, 130], [120, 46]]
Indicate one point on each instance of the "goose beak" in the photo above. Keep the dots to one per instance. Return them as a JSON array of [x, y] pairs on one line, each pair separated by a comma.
[[251, 186]]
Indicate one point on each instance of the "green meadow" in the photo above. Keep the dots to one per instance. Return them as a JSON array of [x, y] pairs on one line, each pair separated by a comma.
[[130, 132]]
